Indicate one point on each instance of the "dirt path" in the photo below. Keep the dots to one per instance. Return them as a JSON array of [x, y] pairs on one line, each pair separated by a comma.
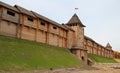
[[97, 68], [93, 69]]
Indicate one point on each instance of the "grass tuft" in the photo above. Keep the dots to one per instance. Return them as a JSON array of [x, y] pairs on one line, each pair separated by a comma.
[[101, 59]]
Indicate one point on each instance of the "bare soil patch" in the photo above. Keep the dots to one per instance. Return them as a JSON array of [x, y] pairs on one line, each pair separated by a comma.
[[97, 68]]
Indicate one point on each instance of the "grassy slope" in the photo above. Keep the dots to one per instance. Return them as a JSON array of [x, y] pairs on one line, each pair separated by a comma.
[[101, 59], [17, 55]]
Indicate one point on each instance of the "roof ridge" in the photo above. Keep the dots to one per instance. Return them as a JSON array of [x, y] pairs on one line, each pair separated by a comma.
[[47, 19], [8, 6], [25, 11]]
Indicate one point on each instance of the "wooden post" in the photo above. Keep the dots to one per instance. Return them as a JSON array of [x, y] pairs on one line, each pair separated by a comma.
[[36, 30], [59, 37], [22, 25], [92, 48], [47, 34], [1, 16], [97, 49], [66, 39], [18, 26]]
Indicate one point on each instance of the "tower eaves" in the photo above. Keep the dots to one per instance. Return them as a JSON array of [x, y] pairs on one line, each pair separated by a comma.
[[75, 20]]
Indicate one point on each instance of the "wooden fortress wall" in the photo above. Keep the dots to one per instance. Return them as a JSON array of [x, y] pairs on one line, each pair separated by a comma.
[[95, 48], [19, 22]]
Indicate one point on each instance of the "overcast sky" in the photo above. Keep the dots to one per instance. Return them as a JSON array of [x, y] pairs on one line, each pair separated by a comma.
[[101, 17]]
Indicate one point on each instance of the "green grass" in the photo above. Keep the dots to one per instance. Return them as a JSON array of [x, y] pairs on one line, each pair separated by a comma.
[[101, 59], [19, 55]]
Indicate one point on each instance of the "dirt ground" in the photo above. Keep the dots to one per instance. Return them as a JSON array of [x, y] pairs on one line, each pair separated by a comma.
[[96, 68]]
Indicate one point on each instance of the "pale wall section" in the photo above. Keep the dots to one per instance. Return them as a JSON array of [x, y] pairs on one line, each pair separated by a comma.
[[53, 36], [53, 39], [8, 17], [30, 23], [41, 36], [42, 32], [28, 28], [8, 23], [71, 37], [8, 28], [60, 42], [28, 33]]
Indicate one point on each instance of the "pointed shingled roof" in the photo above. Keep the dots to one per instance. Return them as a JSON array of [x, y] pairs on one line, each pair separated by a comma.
[[75, 20], [108, 46]]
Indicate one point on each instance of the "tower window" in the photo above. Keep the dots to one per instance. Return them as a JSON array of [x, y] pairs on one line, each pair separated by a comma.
[[10, 13], [42, 23], [54, 27], [30, 19]]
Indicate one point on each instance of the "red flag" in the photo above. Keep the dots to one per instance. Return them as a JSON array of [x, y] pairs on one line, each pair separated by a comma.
[[76, 8]]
